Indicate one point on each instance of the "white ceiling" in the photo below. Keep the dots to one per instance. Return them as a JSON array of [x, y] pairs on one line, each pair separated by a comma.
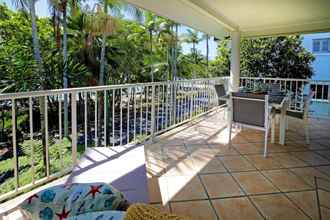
[[250, 17]]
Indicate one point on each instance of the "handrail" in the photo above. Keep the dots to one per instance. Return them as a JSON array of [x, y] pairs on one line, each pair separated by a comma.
[[108, 115], [114, 115], [40, 93]]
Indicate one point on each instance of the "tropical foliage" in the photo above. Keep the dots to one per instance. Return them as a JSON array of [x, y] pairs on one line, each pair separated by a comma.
[[109, 43], [100, 47], [283, 57]]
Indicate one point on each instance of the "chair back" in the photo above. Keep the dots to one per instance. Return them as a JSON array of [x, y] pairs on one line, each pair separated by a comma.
[[275, 89], [221, 91], [249, 109], [307, 102]]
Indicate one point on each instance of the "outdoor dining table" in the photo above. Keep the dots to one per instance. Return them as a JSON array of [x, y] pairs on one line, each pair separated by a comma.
[[278, 103]]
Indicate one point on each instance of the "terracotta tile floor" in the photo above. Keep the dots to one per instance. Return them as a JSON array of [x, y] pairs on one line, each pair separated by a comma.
[[193, 172]]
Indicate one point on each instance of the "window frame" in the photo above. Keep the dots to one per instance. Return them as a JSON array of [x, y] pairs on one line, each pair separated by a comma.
[[321, 42]]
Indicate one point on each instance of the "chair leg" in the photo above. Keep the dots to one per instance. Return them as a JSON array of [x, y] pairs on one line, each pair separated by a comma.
[[306, 128], [273, 130], [277, 119], [286, 123], [266, 142], [230, 129], [224, 114]]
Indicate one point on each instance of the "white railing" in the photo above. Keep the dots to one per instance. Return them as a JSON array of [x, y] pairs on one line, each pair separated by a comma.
[[321, 89], [98, 116], [296, 87], [32, 123]]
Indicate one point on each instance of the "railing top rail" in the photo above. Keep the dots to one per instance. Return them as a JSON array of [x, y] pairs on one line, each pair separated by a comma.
[[286, 79], [270, 78], [22, 95]]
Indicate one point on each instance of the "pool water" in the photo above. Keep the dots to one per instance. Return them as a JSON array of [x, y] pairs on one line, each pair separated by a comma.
[[320, 109]]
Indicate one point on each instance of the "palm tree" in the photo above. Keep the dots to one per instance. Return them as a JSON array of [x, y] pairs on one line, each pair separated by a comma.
[[29, 5], [105, 23], [176, 51], [193, 38], [207, 37], [169, 35], [111, 9], [150, 25], [107, 30], [61, 6]]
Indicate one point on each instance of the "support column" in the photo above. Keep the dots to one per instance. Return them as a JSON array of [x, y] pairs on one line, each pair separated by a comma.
[[235, 61]]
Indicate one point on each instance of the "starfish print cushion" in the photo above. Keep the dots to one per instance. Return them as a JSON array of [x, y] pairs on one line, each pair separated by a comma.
[[104, 215], [61, 202]]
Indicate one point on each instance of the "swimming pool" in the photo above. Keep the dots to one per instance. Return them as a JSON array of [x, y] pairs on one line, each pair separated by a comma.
[[320, 109]]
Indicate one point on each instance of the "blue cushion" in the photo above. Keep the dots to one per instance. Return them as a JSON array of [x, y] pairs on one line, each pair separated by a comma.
[[105, 215], [61, 202]]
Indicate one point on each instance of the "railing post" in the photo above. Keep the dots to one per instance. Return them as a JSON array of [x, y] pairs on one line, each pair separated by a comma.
[[152, 111], [46, 135], [208, 93], [191, 99], [173, 100], [13, 121], [74, 127]]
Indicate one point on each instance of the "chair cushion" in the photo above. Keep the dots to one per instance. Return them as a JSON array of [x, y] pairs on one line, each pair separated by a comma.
[[65, 201], [105, 215]]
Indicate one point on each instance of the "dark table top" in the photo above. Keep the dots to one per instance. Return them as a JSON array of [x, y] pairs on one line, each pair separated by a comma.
[[276, 99]]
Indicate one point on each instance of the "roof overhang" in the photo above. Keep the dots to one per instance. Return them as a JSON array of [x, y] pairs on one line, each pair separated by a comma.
[[252, 18]]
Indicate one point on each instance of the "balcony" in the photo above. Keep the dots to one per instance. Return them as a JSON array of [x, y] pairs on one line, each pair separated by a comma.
[[180, 136], [193, 172]]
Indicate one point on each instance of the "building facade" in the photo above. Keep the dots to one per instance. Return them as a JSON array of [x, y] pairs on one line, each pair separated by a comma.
[[319, 45]]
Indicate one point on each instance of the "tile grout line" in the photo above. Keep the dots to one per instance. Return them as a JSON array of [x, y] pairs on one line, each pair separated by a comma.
[[205, 190], [258, 170], [281, 192], [246, 195], [318, 198], [255, 206], [208, 197], [240, 196], [284, 168]]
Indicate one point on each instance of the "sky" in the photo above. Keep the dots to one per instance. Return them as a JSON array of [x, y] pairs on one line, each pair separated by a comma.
[[43, 11]]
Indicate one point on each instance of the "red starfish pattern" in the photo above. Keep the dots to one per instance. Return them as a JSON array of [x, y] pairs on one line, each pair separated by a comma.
[[94, 190], [64, 214], [31, 198]]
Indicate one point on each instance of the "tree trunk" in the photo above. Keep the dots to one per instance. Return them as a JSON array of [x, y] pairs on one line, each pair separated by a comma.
[[100, 99], [38, 59], [35, 40], [195, 59], [65, 67], [175, 69], [151, 46], [207, 51], [102, 61]]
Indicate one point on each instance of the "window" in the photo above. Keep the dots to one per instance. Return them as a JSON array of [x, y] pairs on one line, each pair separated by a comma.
[[321, 45], [316, 45], [325, 47]]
